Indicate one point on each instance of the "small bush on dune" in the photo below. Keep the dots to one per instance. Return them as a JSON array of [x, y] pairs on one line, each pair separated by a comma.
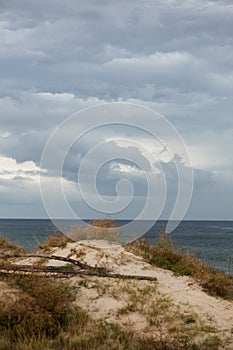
[[104, 223], [218, 283], [105, 229]]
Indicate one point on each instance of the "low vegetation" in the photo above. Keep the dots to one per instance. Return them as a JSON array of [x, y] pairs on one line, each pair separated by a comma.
[[105, 229], [43, 316], [104, 223], [41, 306], [8, 248], [164, 255], [41, 312], [58, 241]]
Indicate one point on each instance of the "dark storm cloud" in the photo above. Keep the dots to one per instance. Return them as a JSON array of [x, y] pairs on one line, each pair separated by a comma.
[[58, 57], [92, 44]]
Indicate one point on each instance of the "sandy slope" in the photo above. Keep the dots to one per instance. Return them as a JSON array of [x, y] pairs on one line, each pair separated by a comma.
[[134, 303]]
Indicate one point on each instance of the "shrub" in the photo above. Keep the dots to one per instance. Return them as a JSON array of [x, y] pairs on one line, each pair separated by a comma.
[[105, 228], [104, 223]]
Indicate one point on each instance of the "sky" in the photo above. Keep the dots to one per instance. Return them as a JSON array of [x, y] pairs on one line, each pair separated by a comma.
[[60, 57]]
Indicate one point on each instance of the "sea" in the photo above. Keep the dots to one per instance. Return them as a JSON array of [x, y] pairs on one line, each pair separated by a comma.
[[212, 241]]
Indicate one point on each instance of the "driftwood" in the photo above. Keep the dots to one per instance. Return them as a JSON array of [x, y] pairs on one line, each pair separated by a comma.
[[84, 269], [78, 263], [61, 271]]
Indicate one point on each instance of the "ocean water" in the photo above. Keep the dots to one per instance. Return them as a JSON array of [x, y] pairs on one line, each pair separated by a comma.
[[211, 240]]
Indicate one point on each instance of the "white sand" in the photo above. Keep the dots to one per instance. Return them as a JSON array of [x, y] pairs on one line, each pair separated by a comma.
[[103, 298]]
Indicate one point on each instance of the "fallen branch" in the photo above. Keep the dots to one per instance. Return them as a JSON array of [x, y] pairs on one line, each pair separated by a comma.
[[80, 264], [11, 268]]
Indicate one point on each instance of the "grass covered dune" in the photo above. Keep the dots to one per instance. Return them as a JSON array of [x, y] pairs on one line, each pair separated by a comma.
[[188, 306]]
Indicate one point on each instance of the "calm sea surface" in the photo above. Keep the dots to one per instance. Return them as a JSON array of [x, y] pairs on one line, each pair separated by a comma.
[[211, 240]]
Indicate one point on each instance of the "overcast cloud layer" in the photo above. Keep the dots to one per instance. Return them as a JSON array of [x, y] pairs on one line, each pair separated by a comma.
[[57, 57]]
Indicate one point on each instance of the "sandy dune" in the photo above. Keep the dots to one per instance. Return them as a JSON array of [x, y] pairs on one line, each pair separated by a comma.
[[152, 308]]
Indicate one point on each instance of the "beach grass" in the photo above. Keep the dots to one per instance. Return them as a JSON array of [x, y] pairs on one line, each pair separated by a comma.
[[41, 312], [43, 316], [163, 254]]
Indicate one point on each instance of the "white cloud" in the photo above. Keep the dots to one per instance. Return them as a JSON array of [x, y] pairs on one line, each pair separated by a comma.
[[10, 169], [158, 59], [125, 168], [174, 56]]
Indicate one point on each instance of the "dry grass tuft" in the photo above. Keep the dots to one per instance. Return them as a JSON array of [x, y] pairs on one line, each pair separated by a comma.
[[164, 255], [104, 223], [58, 240], [8, 248], [44, 317], [105, 229], [41, 308]]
